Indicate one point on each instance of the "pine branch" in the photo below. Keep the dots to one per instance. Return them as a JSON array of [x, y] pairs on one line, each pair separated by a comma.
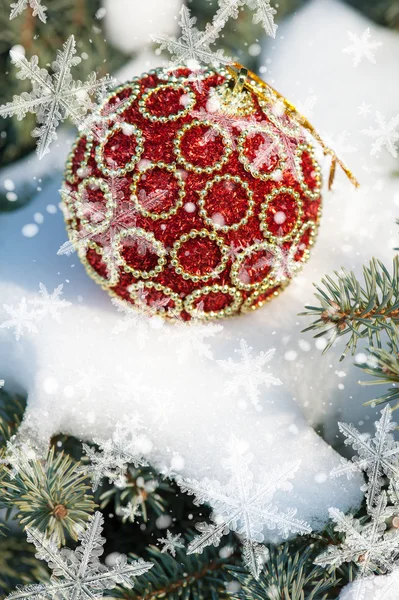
[[290, 574], [189, 577], [384, 366], [46, 494], [360, 311]]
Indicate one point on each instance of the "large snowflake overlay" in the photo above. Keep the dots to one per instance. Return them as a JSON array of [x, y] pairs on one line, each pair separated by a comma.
[[171, 543], [385, 134], [53, 97], [377, 457], [193, 48], [79, 575], [362, 46], [264, 14], [188, 338], [242, 506], [370, 545], [27, 314], [369, 542], [126, 446], [38, 9], [248, 375]]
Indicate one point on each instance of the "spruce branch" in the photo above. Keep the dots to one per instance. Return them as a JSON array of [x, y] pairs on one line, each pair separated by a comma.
[[48, 494], [189, 577], [384, 366], [290, 574], [358, 310]]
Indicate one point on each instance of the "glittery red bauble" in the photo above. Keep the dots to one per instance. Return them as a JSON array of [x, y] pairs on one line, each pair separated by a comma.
[[186, 198]]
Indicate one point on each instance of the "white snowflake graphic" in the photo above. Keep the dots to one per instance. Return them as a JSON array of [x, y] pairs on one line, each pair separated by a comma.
[[243, 506], [385, 134], [363, 109], [188, 338], [23, 318], [370, 546], [142, 321], [38, 9], [50, 304], [362, 47], [53, 97], [129, 512], [193, 48], [79, 575], [264, 14], [2, 383], [377, 457], [126, 446], [171, 543], [249, 374]]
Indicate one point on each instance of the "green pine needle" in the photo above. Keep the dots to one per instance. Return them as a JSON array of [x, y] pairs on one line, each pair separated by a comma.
[[357, 310], [47, 494]]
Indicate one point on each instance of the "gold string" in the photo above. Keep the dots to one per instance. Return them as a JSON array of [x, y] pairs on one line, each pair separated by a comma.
[[236, 70]]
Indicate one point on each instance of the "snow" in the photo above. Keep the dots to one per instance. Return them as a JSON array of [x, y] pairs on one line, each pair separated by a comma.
[[49, 363], [38, 9]]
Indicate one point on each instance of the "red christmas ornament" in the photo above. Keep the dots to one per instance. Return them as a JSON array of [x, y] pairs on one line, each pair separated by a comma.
[[193, 195]]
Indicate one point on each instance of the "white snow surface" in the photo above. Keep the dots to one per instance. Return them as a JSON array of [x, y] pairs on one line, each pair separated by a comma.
[[82, 377]]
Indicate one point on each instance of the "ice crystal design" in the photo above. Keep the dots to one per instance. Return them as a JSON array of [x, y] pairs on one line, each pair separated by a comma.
[[370, 546], [129, 512], [53, 98], [141, 321], [228, 121], [362, 47], [193, 48], [25, 316], [126, 446], [249, 375], [171, 543], [363, 109], [188, 338], [50, 304], [102, 223], [377, 457], [241, 505], [372, 543], [264, 14], [385, 134], [38, 9], [78, 574], [2, 383]]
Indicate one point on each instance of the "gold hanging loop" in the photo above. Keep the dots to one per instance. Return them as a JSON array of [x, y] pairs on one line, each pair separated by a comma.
[[246, 79]]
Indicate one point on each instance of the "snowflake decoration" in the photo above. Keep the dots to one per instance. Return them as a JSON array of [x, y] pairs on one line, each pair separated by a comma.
[[242, 506], [362, 47], [141, 321], [370, 546], [50, 304], [215, 112], [53, 97], [171, 543], [129, 512], [188, 338], [264, 14], [2, 382], [38, 9], [126, 446], [23, 318], [193, 47], [377, 457], [79, 575], [103, 222], [363, 109], [385, 134], [248, 374]]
